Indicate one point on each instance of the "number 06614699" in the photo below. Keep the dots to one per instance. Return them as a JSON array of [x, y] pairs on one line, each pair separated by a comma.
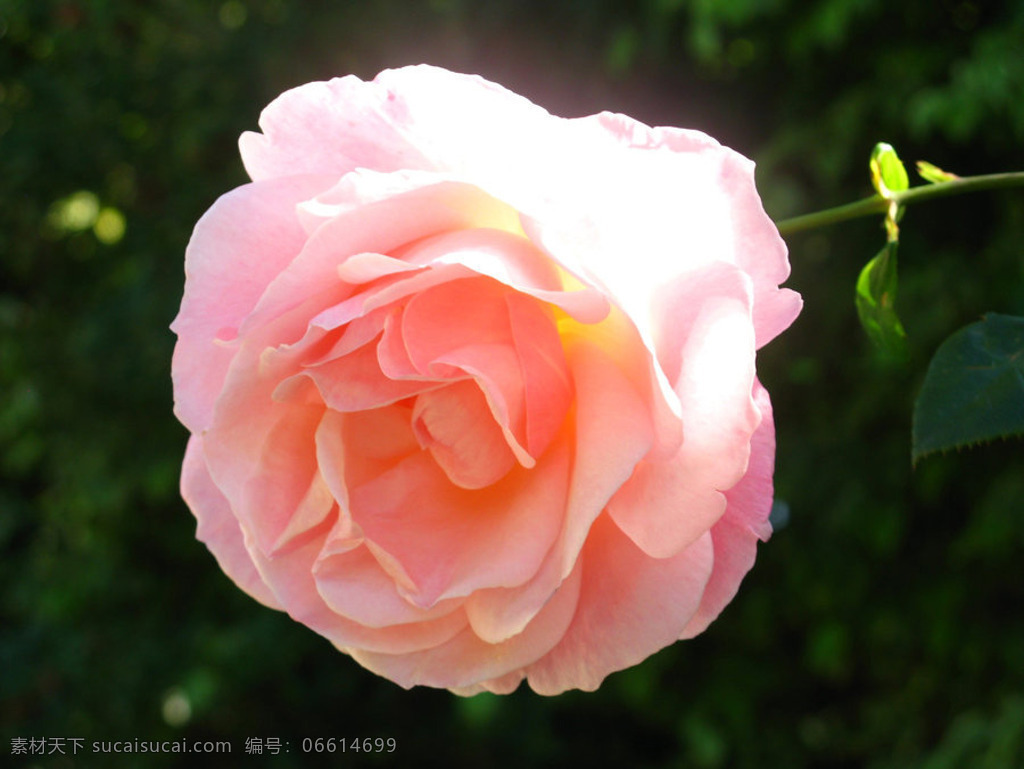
[[349, 745]]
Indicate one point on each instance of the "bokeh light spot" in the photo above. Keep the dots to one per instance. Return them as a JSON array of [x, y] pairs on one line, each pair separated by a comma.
[[75, 213], [176, 708], [109, 227], [233, 14]]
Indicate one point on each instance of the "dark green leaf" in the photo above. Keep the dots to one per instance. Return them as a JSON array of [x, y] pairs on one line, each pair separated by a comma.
[[876, 304], [974, 389]]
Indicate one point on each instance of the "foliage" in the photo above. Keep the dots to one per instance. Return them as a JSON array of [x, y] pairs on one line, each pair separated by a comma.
[[872, 631], [974, 389], [876, 303]]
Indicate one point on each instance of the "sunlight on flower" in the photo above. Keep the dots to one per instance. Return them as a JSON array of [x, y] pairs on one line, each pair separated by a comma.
[[522, 438]]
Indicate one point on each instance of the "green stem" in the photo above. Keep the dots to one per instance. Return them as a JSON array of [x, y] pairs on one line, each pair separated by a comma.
[[876, 204]]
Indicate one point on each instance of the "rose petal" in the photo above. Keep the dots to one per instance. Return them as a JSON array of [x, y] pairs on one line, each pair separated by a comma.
[[463, 328], [284, 495], [261, 451], [547, 389], [465, 660], [450, 541], [697, 195], [353, 449], [502, 685], [217, 527], [337, 126], [612, 433], [679, 223], [227, 268], [455, 424], [355, 382], [353, 584], [668, 504], [378, 227], [760, 251], [290, 576], [745, 521], [332, 127], [453, 315], [498, 613], [630, 606], [513, 260]]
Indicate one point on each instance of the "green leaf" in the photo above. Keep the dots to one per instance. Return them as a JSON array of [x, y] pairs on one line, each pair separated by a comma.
[[876, 304], [934, 174], [974, 389], [887, 171]]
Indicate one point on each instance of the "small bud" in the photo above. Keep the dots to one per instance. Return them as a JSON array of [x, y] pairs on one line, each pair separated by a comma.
[[887, 172], [934, 174]]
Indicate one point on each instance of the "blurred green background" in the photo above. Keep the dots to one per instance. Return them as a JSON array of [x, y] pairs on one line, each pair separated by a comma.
[[882, 625]]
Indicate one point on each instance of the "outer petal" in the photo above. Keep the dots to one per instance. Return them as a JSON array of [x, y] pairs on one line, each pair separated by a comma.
[[330, 128], [706, 345], [228, 265], [337, 126], [630, 606], [261, 452], [291, 576], [661, 182], [217, 526], [760, 252], [675, 202], [465, 661], [660, 214], [736, 534]]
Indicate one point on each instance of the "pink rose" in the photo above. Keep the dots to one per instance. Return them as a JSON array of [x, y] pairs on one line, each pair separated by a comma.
[[471, 387]]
